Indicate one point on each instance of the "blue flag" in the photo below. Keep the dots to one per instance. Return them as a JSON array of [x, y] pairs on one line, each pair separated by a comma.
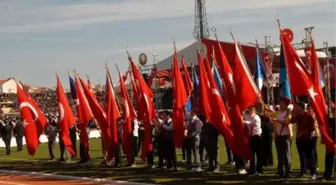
[[72, 88], [195, 82], [259, 75], [217, 78], [188, 105], [283, 78]]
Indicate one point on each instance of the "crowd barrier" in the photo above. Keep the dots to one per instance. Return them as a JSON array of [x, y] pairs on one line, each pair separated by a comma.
[[43, 138]]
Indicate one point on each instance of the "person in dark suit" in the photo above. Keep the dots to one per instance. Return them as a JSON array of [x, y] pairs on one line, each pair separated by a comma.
[[18, 133], [267, 140], [6, 133], [330, 156]]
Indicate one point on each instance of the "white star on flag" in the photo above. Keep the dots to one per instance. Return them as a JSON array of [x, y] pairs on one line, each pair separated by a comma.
[[25, 123], [223, 118], [312, 93]]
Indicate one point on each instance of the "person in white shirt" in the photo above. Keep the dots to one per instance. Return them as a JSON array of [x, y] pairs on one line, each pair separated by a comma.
[[253, 125], [135, 134]]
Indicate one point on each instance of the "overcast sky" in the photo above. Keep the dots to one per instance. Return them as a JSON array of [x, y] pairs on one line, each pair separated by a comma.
[[38, 37]]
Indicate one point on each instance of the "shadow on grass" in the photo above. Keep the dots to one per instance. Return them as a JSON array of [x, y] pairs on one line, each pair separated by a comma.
[[142, 174]]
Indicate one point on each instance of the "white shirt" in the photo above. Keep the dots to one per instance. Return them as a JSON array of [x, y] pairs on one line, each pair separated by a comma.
[[198, 126], [168, 127], [282, 130], [253, 124], [136, 128]]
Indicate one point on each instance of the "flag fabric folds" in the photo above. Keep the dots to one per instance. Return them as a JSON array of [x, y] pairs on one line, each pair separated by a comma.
[[29, 115], [113, 114], [145, 104], [301, 83], [180, 99], [128, 116], [66, 117]]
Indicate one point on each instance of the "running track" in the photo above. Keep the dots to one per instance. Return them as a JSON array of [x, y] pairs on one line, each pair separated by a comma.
[[31, 178]]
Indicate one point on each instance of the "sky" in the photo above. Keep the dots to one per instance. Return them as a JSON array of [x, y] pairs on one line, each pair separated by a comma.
[[39, 37]]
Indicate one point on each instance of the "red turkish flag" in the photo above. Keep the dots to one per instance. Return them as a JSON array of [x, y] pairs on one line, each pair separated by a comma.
[[188, 84], [128, 116], [219, 116], [112, 113], [204, 103], [84, 114], [146, 105], [301, 83], [66, 117], [29, 115], [99, 114], [232, 106], [41, 120], [180, 99]]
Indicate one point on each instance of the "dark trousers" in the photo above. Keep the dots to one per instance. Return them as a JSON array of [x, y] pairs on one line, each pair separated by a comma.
[[83, 157], [73, 138], [170, 153], [7, 141], [202, 149], [267, 144], [62, 149], [184, 149], [118, 154], [150, 159], [239, 162], [192, 147], [306, 154], [255, 143], [228, 152], [314, 143], [329, 164], [140, 140], [51, 149], [134, 149], [19, 142], [161, 151], [212, 149]]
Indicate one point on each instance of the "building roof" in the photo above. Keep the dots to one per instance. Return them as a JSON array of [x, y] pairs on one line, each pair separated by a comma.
[[190, 53], [3, 81]]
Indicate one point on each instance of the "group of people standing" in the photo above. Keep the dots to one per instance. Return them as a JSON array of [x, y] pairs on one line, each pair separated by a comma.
[[201, 141], [9, 127]]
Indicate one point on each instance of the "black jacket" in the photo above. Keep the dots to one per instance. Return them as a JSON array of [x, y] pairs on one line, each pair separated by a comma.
[[18, 129]]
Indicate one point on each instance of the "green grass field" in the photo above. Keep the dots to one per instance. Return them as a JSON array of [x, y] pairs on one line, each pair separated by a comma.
[[39, 163]]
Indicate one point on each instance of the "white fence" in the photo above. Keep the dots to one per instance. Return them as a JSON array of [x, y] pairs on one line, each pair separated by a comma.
[[43, 138]]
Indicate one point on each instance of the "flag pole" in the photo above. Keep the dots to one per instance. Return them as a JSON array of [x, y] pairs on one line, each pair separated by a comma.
[[328, 80]]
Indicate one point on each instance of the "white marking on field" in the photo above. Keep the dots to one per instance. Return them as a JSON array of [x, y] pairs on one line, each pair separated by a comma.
[[12, 183]]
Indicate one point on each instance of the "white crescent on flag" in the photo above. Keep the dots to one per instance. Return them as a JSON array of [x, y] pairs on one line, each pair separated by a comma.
[[26, 104], [61, 111]]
